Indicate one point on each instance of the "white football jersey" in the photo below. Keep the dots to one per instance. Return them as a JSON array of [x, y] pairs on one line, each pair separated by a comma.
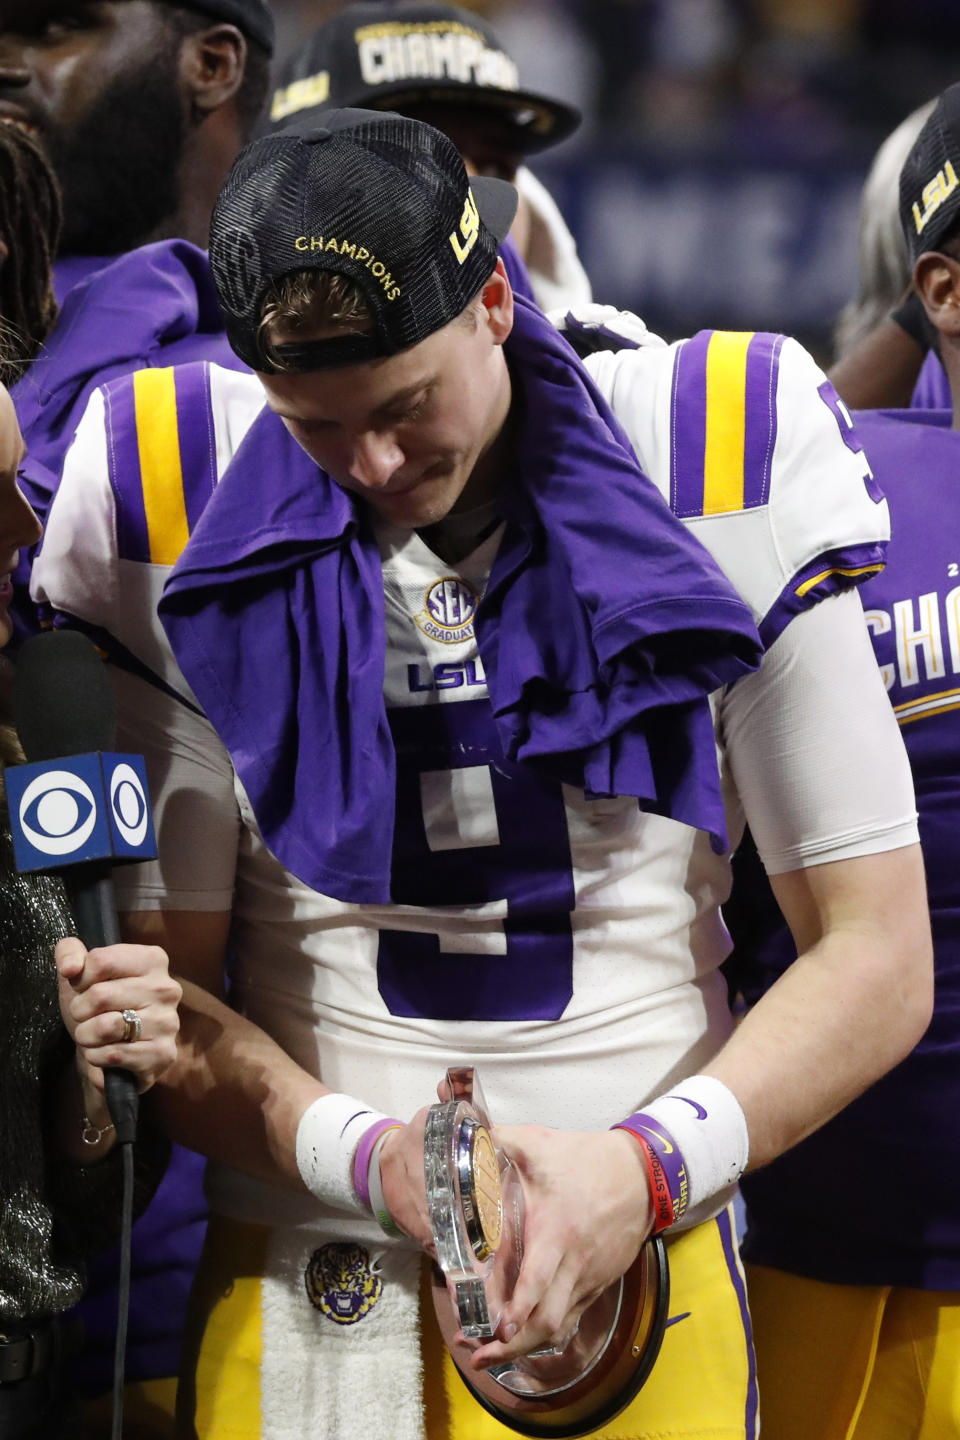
[[568, 947]]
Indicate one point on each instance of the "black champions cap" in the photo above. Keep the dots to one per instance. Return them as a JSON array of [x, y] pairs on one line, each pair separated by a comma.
[[413, 52], [930, 178], [253, 17], [380, 199]]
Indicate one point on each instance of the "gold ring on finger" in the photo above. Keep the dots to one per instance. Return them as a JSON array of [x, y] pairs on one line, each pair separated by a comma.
[[132, 1027]]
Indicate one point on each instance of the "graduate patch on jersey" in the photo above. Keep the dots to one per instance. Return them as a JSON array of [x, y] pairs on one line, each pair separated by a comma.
[[342, 1283], [723, 421], [162, 458], [450, 608]]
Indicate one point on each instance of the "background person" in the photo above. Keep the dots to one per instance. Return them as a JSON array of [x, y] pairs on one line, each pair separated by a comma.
[[882, 337], [60, 1182], [856, 1306], [141, 106], [445, 65]]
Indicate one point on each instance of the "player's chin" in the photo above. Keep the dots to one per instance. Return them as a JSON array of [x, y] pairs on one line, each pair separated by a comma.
[[426, 504]]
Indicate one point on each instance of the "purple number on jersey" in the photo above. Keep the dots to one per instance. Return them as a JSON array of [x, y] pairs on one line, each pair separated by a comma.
[[526, 862], [848, 435]]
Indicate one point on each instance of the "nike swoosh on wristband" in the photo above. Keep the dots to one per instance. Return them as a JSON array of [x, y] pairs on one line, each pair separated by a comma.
[[701, 1113], [667, 1147]]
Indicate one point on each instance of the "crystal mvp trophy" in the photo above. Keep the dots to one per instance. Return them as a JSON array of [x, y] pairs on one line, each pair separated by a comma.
[[475, 1200]]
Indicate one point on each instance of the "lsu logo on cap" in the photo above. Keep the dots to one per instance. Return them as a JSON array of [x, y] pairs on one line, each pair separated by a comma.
[[469, 229], [300, 95], [933, 195], [342, 1283]]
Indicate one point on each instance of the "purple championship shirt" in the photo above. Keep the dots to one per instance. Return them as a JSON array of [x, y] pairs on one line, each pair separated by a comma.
[[873, 1198]]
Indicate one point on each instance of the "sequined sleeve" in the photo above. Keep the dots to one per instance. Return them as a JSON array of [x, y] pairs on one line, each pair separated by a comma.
[[52, 1211]]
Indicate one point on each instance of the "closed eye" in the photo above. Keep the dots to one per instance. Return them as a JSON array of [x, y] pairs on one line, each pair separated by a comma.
[[413, 413], [409, 412]]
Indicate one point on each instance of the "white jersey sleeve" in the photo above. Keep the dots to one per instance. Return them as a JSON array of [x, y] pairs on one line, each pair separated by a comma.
[[747, 441], [818, 764], [147, 454]]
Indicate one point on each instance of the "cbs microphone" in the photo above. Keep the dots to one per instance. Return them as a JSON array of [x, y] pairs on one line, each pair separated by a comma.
[[78, 807]]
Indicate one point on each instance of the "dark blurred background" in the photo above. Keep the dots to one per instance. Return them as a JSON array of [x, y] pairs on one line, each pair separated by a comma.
[[716, 178]]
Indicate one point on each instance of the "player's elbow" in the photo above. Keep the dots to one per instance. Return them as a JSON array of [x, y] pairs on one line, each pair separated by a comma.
[[910, 971], [917, 988]]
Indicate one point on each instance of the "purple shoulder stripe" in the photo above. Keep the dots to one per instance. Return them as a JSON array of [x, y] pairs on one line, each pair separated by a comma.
[[723, 422], [827, 574], [123, 463], [161, 456], [760, 416], [688, 425], [198, 446]]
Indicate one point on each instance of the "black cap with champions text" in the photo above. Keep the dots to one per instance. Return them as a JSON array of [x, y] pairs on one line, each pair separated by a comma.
[[253, 17], [413, 52], [378, 198], [930, 178]]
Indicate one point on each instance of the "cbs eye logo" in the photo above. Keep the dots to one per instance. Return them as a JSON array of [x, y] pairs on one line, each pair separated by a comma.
[[128, 804], [58, 810]]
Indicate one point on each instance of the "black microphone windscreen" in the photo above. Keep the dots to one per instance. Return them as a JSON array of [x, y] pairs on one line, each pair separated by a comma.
[[62, 697]]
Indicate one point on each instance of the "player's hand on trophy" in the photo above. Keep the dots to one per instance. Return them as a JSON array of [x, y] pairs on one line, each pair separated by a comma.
[[402, 1178], [587, 1214]]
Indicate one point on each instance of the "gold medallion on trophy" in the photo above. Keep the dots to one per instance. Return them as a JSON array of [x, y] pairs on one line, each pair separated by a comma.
[[487, 1188], [481, 1194]]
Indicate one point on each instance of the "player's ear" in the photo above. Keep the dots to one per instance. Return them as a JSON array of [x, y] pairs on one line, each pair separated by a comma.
[[937, 279], [211, 67], [496, 298]]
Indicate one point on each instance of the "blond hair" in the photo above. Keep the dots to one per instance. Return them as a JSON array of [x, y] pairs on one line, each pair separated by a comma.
[[309, 304]]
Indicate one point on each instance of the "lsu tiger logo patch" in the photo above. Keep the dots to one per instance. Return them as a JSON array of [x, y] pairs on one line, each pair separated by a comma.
[[341, 1283]]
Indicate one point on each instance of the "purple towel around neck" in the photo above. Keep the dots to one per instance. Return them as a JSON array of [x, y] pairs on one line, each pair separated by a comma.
[[604, 628]]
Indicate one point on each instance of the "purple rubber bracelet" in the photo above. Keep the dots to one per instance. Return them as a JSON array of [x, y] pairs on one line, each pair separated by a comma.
[[665, 1148], [362, 1154]]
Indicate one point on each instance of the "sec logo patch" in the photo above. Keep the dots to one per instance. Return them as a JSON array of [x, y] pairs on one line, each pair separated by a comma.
[[450, 607]]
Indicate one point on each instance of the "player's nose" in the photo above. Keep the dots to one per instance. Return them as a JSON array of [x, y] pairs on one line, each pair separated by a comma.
[[374, 459]]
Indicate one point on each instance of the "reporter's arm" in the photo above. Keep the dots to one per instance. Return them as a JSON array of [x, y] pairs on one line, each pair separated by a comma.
[[95, 988]]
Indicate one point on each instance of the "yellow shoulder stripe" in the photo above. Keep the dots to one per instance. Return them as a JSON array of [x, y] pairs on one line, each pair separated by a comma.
[[160, 469], [723, 460]]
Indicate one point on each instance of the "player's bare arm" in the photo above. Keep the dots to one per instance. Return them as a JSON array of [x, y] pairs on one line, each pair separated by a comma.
[[233, 1093], [862, 930]]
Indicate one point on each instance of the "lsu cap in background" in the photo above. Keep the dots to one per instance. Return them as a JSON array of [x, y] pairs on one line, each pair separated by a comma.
[[930, 178], [378, 198], [414, 52]]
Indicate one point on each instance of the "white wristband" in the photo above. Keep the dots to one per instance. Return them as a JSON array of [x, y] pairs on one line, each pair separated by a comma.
[[327, 1137], [708, 1127]]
